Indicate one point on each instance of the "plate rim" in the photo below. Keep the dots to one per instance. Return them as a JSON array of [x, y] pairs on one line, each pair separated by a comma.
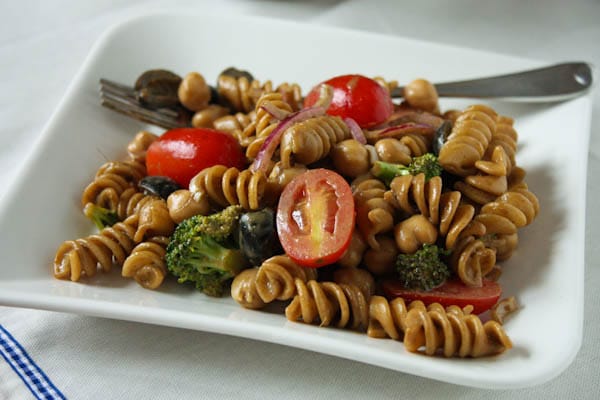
[[7, 297]]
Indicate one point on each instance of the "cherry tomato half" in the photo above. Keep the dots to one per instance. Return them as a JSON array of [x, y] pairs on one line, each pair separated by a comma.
[[356, 97], [183, 152], [315, 217], [453, 292]]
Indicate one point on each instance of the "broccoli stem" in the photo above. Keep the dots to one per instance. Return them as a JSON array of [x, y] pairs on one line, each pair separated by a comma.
[[206, 254], [425, 164], [386, 171]]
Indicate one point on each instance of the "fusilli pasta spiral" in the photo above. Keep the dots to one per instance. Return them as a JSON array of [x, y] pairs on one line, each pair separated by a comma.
[[146, 263], [79, 258], [328, 303], [229, 186], [469, 140], [311, 140], [374, 215], [272, 280], [516, 208], [453, 332]]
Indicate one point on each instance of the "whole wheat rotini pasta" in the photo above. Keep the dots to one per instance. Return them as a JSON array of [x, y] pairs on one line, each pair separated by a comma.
[[353, 255], [273, 280], [79, 258], [229, 186], [387, 319], [358, 277], [412, 233], [111, 180], [516, 208], [374, 215], [413, 194], [328, 303], [469, 139], [146, 263], [382, 261], [311, 140], [241, 92], [453, 333], [490, 181], [472, 260], [265, 122], [503, 308], [240, 125]]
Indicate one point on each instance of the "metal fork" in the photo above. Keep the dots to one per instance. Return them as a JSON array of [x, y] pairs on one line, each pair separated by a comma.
[[549, 84], [123, 99]]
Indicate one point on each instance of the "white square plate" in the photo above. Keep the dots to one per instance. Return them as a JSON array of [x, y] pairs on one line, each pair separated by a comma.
[[42, 209]]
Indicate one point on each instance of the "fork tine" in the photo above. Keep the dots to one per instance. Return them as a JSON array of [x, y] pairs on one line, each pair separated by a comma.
[[122, 99]]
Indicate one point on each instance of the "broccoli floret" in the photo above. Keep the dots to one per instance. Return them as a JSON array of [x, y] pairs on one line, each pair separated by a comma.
[[427, 163], [202, 250], [424, 269], [101, 216]]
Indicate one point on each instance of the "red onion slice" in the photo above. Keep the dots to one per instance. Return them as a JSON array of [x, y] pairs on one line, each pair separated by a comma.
[[355, 130], [261, 162]]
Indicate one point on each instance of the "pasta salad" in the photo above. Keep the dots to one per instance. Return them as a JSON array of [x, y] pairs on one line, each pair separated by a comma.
[[354, 209]]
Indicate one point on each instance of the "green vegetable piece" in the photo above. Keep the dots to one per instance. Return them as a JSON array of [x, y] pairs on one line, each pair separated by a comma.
[[427, 164], [203, 251], [424, 269], [102, 217]]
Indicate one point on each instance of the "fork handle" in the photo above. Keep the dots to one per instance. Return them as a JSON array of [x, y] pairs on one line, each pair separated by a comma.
[[554, 83]]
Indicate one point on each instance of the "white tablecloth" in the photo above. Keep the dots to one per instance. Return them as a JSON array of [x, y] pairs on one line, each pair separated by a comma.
[[42, 45]]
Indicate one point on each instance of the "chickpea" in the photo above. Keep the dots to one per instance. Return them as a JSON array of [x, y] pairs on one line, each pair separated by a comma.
[[193, 92], [421, 94], [205, 118], [183, 204], [139, 145], [351, 158], [393, 150]]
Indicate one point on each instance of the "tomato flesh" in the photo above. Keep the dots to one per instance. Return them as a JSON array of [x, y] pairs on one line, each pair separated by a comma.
[[315, 218], [356, 97], [183, 152], [452, 292]]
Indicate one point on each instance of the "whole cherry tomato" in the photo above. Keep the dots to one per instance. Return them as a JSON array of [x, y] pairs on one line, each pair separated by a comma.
[[356, 97], [453, 292], [315, 217], [183, 152]]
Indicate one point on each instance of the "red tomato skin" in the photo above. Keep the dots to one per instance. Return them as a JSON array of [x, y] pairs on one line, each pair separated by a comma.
[[453, 292], [356, 97], [183, 152], [297, 245]]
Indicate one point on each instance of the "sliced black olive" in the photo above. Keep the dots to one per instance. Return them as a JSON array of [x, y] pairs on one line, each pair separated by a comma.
[[237, 73], [161, 186], [440, 136], [258, 235], [157, 88]]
